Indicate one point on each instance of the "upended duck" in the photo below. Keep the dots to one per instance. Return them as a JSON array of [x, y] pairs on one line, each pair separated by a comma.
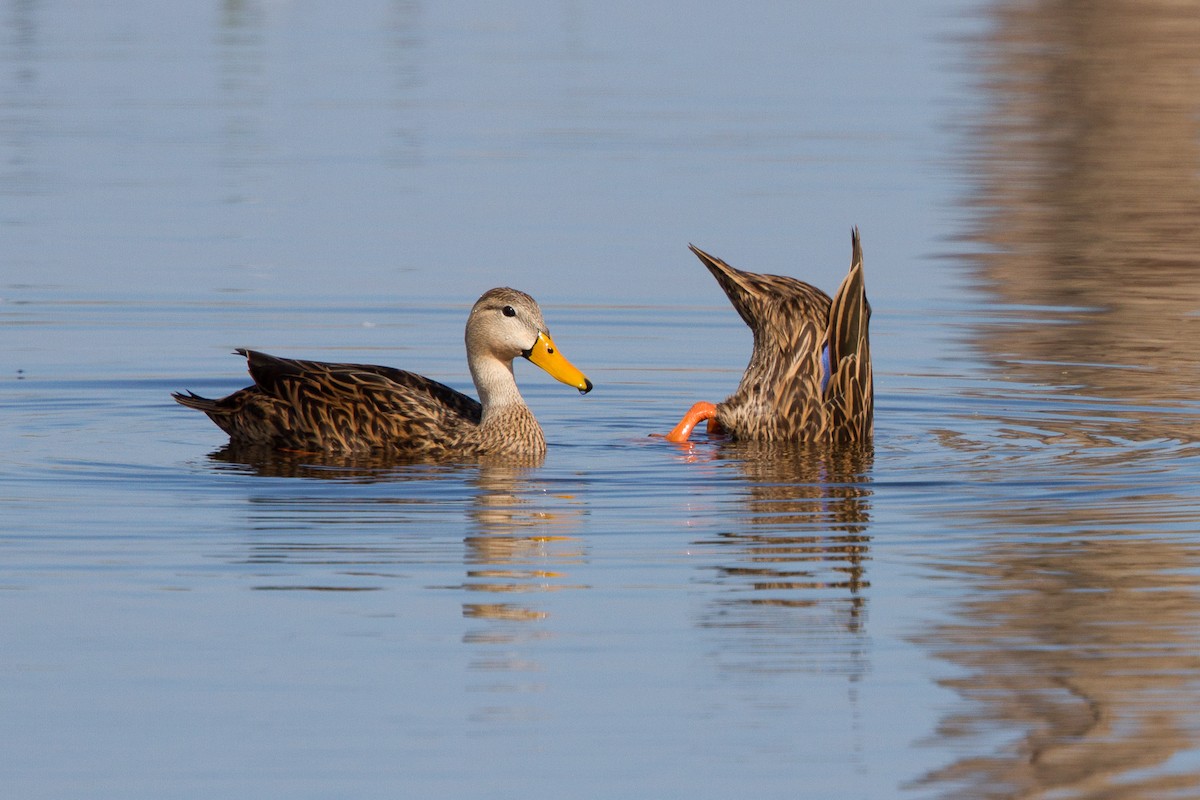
[[360, 408], [809, 376]]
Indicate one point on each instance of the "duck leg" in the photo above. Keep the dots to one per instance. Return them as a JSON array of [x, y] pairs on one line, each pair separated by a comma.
[[696, 414]]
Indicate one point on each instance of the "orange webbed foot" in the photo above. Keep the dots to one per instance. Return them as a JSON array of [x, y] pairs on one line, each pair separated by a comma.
[[698, 413]]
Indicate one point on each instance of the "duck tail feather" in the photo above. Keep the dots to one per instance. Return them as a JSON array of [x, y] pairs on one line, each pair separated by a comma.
[[849, 393]]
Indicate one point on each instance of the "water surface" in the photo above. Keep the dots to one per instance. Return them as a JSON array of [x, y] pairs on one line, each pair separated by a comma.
[[997, 599]]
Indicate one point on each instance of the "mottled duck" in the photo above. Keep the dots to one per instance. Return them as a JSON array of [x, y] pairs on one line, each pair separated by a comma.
[[314, 406], [809, 376]]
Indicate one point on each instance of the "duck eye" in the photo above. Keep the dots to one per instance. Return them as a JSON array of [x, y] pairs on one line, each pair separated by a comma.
[[509, 311]]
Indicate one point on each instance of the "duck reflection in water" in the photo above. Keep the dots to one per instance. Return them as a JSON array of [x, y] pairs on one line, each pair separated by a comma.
[[520, 542], [794, 574], [518, 539]]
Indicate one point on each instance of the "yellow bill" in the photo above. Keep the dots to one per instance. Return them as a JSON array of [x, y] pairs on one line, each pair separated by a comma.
[[546, 355]]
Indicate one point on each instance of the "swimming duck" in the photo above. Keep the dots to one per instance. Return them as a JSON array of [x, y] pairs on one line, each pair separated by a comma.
[[809, 376], [360, 408]]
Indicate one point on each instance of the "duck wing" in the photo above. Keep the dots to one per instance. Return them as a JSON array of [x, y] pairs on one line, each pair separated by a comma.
[[321, 406]]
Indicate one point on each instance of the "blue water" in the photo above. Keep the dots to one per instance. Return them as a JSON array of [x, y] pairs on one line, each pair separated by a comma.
[[996, 600]]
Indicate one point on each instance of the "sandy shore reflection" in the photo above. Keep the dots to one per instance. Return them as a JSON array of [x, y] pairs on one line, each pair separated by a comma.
[[1075, 643]]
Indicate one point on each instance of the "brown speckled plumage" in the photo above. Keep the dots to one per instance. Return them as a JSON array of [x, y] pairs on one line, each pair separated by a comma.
[[780, 397], [362, 408]]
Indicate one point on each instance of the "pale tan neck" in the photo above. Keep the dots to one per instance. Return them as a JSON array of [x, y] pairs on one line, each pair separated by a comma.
[[495, 384]]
